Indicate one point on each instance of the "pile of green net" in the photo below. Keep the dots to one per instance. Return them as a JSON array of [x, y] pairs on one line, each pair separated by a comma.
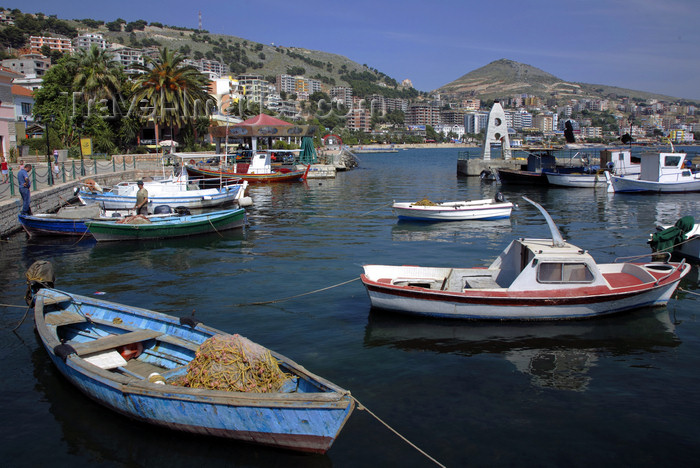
[[236, 364], [424, 202]]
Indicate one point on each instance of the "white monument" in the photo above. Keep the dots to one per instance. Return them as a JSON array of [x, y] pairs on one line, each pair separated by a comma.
[[496, 132]]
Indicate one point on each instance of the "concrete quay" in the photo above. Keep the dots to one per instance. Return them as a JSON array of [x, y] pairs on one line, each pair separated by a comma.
[[474, 167]]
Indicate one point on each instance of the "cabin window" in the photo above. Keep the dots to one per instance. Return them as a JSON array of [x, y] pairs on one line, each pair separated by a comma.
[[672, 161], [564, 273]]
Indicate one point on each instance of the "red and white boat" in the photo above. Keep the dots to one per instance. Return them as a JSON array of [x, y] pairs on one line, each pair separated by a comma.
[[532, 279]]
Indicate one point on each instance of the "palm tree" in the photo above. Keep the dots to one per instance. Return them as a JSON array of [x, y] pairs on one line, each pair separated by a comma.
[[97, 75], [176, 93]]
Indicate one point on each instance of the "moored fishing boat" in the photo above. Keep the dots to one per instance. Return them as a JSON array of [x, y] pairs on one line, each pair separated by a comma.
[[532, 279], [681, 239], [660, 173], [260, 169], [620, 163], [143, 228], [425, 210], [137, 362], [123, 196], [68, 221]]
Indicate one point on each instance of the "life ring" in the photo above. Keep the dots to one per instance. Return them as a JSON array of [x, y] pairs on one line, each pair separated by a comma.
[[130, 351]]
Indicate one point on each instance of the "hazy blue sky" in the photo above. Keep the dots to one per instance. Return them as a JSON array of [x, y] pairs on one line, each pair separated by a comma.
[[647, 45]]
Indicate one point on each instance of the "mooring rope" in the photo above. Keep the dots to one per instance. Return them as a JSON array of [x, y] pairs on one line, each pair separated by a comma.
[[381, 207], [298, 295], [689, 292], [214, 227], [362, 407]]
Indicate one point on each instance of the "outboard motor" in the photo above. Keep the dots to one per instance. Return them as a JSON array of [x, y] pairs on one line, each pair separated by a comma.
[[162, 209], [182, 211], [499, 198]]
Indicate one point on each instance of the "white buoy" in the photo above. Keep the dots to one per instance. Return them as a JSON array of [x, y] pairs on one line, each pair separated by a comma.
[[245, 201]]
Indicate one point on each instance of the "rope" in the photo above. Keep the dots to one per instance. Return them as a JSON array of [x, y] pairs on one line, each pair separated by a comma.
[[362, 407], [12, 305], [298, 295], [689, 292], [381, 207], [213, 227]]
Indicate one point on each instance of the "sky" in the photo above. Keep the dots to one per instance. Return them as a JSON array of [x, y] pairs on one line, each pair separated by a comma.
[[644, 45]]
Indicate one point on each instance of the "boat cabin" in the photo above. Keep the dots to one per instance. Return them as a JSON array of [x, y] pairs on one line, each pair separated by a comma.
[[620, 162], [537, 264], [260, 163], [664, 167]]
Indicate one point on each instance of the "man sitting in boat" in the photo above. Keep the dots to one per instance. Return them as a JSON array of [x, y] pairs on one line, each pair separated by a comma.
[[141, 206]]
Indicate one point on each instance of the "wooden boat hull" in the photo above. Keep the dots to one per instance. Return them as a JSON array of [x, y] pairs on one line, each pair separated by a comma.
[[489, 302], [38, 225], [454, 211], [576, 180], [276, 176], [187, 199], [631, 185], [172, 226], [509, 176], [307, 419]]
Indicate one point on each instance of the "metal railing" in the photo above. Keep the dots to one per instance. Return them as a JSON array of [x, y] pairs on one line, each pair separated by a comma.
[[45, 176]]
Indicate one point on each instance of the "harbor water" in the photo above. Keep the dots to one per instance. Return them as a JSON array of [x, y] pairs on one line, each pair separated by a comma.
[[617, 391]]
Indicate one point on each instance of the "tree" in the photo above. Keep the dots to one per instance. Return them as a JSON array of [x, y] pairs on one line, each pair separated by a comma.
[[97, 75], [177, 94]]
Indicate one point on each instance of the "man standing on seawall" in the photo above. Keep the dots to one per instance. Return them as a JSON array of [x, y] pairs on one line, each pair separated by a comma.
[[23, 182], [141, 200]]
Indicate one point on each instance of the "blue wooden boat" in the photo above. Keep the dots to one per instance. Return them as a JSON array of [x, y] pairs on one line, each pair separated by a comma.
[[68, 221], [82, 335]]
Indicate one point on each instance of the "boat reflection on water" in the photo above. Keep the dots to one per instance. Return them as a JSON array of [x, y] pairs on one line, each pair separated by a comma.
[[555, 355], [99, 434], [409, 231]]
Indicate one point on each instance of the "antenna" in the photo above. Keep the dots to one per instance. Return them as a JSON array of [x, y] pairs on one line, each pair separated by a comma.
[[200, 20]]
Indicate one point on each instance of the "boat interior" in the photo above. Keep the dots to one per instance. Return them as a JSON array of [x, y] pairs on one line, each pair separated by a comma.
[[104, 338]]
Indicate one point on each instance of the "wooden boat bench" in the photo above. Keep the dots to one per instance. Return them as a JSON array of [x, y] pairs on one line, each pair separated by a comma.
[[114, 341], [162, 337]]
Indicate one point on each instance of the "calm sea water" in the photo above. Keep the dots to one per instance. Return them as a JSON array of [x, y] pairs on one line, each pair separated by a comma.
[[619, 391]]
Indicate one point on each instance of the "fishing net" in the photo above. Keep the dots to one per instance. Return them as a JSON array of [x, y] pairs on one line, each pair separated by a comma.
[[425, 202], [135, 219], [236, 364]]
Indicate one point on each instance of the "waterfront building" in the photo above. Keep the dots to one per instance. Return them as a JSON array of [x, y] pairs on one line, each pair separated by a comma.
[[543, 122], [359, 119], [63, 45], [342, 94], [29, 65], [474, 122], [451, 117], [127, 57], [87, 40], [8, 132], [212, 68], [254, 87], [297, 85], [423, 114]]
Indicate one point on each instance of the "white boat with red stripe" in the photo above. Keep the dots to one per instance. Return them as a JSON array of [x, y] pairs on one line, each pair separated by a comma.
[[532, 279]]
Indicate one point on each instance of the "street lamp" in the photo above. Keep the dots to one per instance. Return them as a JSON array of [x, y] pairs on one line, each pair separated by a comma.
[[48, 150], [80, 146]]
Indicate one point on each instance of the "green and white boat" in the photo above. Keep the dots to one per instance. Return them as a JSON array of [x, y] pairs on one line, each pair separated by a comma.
[[142, 227]]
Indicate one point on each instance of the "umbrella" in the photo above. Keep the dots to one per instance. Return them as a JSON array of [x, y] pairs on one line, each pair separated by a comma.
[[167, 143]]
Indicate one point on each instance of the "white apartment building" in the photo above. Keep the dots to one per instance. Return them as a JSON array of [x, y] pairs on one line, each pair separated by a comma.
[[87, 40]]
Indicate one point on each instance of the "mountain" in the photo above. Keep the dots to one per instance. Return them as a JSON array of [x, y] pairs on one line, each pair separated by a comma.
[[506, 78]]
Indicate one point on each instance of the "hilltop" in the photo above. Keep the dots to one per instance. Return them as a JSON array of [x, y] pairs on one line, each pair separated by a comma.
[[504, 78]]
